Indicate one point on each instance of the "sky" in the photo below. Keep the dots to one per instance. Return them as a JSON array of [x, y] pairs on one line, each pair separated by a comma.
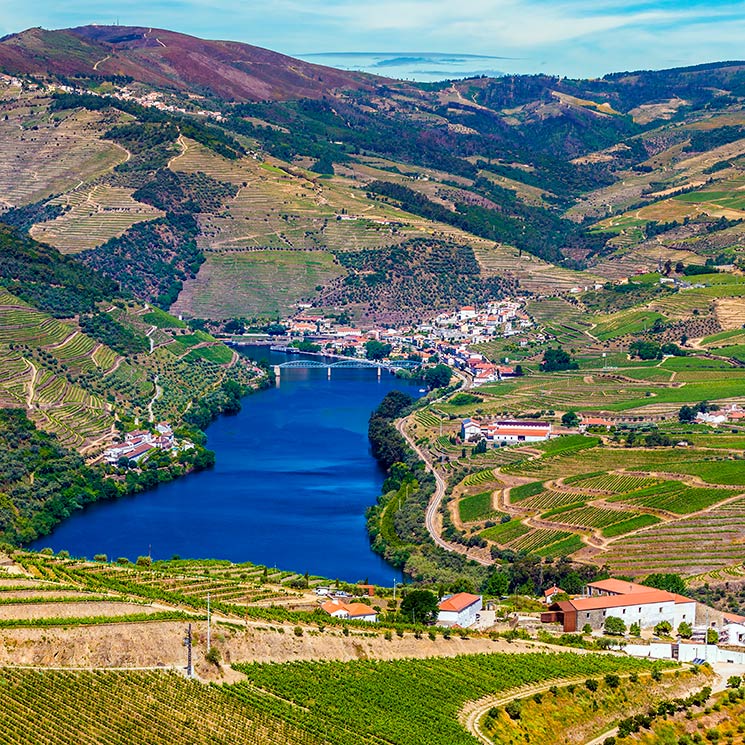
[[435, 39]]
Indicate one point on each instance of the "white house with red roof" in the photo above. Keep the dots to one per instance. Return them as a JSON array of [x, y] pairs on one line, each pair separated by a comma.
[[506, 431], [630, 602], [460, 609], [351, 611]]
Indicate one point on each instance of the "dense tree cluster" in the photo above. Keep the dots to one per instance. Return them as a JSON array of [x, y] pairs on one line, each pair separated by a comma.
[[123, 339], [185, 192], [40, 275], [210, 136], [152, 259], [556, 360], [420, 273]]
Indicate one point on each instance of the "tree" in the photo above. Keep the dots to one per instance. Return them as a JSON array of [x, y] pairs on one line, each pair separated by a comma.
[[669, 582], [480, 447], [497, 584], [419, 606], [614, 626], [686, 413], [685, 630], [635, 629], [570, 419], [734, 681], [438, 376], [557, 359], [376, 350], [663, 628], [645, 350], [712, 636]]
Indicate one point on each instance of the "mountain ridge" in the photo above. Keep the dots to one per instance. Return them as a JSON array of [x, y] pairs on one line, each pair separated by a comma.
[[226, 69]]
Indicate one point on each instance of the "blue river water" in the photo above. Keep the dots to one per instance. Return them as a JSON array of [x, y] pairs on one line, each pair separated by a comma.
[[293, 479]]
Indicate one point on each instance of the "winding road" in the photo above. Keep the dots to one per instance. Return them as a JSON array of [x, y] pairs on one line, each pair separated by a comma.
[[440, 487]]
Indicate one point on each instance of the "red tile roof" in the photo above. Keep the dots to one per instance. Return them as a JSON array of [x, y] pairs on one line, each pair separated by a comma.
[[356, 610], [458, 602], [651, 597], [617, 586]]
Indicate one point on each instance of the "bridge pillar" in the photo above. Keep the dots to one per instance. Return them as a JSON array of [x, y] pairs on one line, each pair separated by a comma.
[[277, 375], [379, 369], [329, 372]]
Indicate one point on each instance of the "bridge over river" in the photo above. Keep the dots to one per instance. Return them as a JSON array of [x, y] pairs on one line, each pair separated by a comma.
[[346, 364]]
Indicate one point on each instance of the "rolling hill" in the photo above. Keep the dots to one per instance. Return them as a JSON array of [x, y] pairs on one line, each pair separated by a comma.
[[226, 70]]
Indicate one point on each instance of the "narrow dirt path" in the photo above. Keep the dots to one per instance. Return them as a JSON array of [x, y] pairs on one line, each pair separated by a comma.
[[158, 394], [31, 385], [101, 61]]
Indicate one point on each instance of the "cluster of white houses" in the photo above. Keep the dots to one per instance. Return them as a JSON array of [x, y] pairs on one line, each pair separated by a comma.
[[630, 602], [139, 443], [504, 431]]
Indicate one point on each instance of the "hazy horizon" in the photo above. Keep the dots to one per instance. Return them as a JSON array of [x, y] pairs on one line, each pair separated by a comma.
[[562, 37]]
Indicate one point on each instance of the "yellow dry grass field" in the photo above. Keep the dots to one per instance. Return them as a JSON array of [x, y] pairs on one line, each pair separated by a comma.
[[730, 313]]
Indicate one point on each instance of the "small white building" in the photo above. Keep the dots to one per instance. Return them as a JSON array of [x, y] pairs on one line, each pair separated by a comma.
[[733, 634], [505, 431], [460, 609]]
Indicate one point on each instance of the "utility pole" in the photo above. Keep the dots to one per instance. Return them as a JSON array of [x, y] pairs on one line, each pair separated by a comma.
[[187, 644], [209, 640], [394, 589]]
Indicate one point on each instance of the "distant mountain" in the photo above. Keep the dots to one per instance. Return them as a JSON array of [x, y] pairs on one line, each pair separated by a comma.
[[227, 70]]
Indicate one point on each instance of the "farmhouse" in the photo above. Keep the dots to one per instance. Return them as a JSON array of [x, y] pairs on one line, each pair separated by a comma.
[[505, 431], [351, 611], [628, 601], [460, 609], [139, 443]]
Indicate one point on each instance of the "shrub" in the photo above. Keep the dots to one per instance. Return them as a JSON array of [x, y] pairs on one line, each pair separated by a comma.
[[614, 626], [591, 684], [514, 709], [213, 656], [298, 631], [612, 680]]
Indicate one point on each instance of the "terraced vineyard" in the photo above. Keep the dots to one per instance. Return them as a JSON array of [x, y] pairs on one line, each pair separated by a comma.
[[674, 496], [94, 216], [403, 702], [695, 544], [590, 517], [481, 477], [53, 156]]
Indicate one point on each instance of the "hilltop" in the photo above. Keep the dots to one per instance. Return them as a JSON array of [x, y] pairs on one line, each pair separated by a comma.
[[165, 59]]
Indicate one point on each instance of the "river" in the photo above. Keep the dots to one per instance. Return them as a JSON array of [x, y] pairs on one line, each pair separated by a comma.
[[293, 479]]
